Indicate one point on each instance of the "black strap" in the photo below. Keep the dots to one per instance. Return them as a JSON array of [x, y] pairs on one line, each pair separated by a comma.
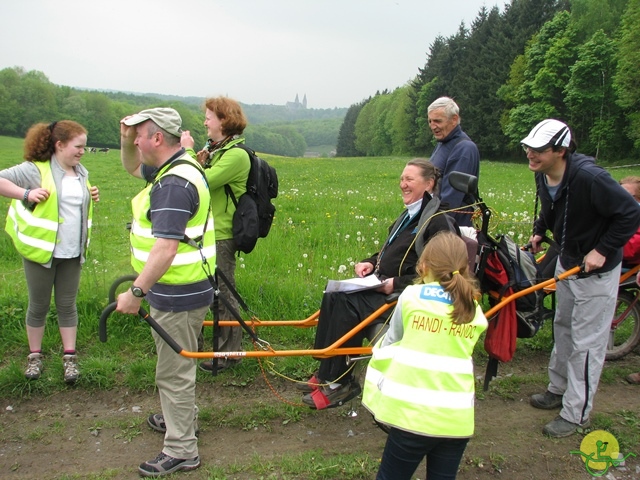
[[229, 192], [491, 372], [234, 292], [233, 311]]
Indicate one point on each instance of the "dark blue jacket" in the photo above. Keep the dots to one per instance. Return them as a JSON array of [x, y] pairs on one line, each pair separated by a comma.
[[600, 214], [456, 153]]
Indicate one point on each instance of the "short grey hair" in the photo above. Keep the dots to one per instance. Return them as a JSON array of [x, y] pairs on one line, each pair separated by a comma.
[[169, 138], [450, 107]]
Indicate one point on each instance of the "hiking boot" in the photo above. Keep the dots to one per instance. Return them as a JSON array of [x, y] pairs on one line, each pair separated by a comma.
[[633, 378], [207, 365], [310, 385], [165, 464], [157, 423], [546, 400], [327, 397], [34, 366], [559, 427], [71, 372]]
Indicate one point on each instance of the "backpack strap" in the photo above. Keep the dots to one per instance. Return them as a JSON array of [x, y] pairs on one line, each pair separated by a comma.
[[425, 218], [227, 187]]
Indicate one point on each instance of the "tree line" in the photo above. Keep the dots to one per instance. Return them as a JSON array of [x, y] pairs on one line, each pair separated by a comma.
[[28, 97], [575, 61]]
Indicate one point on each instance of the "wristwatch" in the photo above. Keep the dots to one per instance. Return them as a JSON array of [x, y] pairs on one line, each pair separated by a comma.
[[137, 291]]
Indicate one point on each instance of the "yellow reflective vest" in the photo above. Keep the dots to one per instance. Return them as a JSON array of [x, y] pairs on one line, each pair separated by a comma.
[[424, 382], [34, 231], [186, 267]]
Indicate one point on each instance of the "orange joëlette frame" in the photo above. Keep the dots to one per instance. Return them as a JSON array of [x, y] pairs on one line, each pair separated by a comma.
[[311, 321]]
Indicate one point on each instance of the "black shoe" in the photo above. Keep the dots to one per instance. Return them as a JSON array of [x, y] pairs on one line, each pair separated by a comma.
[[165, 464], [310, 385], [327, 397], [156, 422], [207, 365], [560, 428], [546, 400]]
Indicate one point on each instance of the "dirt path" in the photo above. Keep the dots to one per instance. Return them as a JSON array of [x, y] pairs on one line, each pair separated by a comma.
[[80, 434]]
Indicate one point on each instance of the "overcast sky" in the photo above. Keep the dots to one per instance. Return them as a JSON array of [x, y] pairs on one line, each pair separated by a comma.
[[337, 52]]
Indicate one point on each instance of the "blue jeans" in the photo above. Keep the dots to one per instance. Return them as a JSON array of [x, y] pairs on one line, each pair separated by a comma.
[[404, 451]]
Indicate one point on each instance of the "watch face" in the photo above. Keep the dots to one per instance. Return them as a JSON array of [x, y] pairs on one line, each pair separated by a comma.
[[137, 292]]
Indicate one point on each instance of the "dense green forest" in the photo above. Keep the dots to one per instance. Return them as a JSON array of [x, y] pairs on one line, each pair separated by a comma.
[[575, 60], [28, 97]]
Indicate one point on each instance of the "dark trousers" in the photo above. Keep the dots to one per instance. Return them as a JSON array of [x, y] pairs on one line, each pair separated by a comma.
[[339, 313], [404, 451]]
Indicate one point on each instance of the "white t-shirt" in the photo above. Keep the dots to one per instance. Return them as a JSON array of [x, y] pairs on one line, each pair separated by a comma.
[[70, 228]]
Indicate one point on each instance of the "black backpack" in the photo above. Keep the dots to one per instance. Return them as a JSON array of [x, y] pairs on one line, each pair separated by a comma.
[[254, 211]]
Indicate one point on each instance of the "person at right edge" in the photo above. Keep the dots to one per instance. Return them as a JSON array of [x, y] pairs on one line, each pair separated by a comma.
[[455, 152], [224, 165], [591, 217], [420, 380]]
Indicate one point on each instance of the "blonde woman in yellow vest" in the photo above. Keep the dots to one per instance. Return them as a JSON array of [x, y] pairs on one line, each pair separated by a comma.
[[49, 221], [420, 381]]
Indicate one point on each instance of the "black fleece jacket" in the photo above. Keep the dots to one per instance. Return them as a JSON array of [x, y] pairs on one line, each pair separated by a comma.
[[590, 211], [398, 259]]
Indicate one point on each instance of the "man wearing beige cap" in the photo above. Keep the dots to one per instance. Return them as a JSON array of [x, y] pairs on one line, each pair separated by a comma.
[[171, 232], [591, 217]]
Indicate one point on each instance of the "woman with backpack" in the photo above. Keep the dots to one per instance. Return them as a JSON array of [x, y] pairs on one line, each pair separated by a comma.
[[420, 381], [224, 165]]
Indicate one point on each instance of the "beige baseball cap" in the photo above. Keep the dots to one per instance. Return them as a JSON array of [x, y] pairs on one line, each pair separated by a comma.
[[166, 118]]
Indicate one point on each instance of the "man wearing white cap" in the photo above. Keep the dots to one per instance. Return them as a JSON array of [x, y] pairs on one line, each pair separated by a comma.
[[591, 217], [171, 235]]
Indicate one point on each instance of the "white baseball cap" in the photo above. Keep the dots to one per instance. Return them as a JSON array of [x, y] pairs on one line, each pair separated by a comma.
[[548, 133]]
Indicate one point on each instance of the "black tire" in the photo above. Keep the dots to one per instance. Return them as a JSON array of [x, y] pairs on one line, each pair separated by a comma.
[[119, 281], [624, 338]]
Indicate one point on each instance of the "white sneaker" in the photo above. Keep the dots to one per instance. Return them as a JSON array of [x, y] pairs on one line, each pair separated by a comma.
[[71, 372], [34, 366]]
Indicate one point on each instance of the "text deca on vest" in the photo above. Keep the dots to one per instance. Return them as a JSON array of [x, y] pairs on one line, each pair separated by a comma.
[[429, 292]]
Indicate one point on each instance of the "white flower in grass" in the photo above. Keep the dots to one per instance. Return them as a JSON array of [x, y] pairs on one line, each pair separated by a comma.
[[299, 265], [304, 255], [308, 270], [352, 264], [342, 268], [242, 265], [347, 236], [324, 257], [376, 242]]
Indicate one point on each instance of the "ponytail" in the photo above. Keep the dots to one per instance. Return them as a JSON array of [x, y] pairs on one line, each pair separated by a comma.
[[446, 261]]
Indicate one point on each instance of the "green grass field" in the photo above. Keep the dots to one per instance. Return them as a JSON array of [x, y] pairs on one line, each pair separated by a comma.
[[330, 214]]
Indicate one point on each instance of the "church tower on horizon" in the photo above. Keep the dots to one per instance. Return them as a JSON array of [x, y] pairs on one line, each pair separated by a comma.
[[296, 104]]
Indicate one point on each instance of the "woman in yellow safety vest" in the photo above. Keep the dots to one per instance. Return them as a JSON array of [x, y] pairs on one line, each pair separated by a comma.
[[49, 221], [420, 381]]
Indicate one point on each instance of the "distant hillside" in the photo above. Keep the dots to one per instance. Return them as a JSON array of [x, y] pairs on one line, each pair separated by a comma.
[[259, 114], [28, 97]]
